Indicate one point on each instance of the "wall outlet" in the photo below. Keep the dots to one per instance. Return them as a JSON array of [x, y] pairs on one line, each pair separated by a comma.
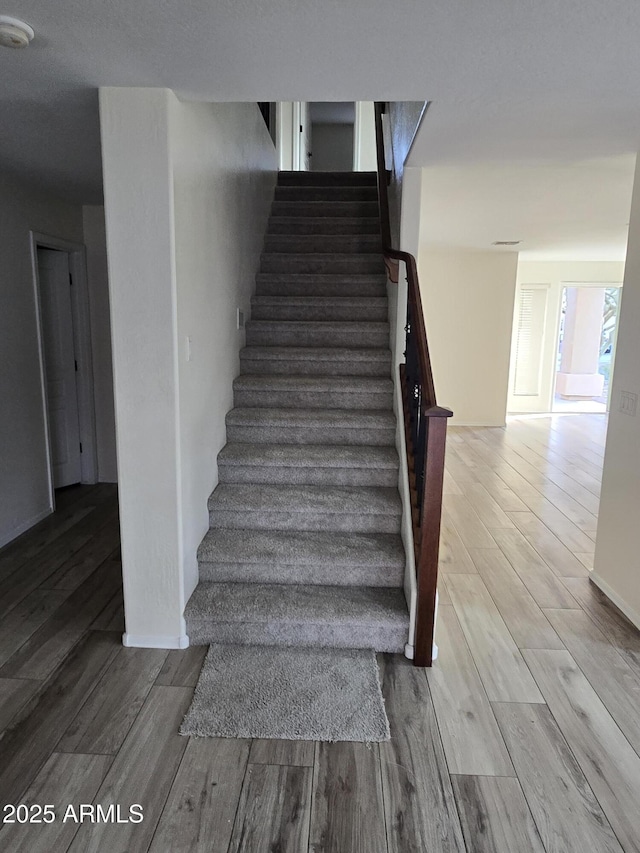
[[628, 403], [240, 318]]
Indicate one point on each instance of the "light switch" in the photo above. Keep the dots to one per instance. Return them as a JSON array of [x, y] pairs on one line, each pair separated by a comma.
[[240, 317], [628, 403], [187, 348]]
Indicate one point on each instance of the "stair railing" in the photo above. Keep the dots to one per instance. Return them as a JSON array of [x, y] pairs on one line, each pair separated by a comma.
[[425, 425]]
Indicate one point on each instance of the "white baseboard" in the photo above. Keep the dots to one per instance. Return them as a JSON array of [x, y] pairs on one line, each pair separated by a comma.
[[22, 528], [409, 651], [629, 612], [155, 641]]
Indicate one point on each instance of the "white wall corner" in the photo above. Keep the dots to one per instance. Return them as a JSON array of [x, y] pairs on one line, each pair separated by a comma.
[[632, 615]]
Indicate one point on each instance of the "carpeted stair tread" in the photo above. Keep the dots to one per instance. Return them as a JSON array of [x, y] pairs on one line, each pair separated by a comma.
[[317, 333], [276, 382], [308, 548], [356, 509], [294, 556], [257, 602], [346, 225], [320, 284], [325, 192], [298, 614], [318, 178], [309, 455], [298, 391], [368, 355], [317, 362], [320, 308], [338, 243], [363, 419], [329, 500], [375, 427], [365, 209], [340, 263], [308, 464]]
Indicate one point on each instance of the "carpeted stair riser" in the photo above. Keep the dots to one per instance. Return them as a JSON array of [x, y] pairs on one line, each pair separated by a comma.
[[334, 396], [298, 615], [317, 225], [297, 557], [285, 475], [309, 284], [295, 426], [326, 193], [320, 308], [365, 209], [309, 262], [315, 361], [363, 509], [302, 634], [328, 243], [314, 465], [334, 179], [316, 334]]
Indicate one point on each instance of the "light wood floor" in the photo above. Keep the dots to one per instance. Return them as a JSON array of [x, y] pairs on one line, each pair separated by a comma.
[[523, 737]]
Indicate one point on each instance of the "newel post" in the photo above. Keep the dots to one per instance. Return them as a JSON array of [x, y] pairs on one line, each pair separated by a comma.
[[428, 546]]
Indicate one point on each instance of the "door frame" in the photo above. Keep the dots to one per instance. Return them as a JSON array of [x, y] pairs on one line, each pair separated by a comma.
[[618, 285], [82, 348]]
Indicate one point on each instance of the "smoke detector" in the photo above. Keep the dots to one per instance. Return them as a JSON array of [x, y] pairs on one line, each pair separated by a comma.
[[14, 33]]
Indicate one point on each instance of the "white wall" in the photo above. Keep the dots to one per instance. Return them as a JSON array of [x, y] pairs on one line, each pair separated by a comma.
[[24, 472], [224, 169], [98, 282], [400, 123], [552, 276], [138, 191], [331, 147], [186, 193], [284, 135], [617, 568], [468, 302], [397, 295], [365, 158]]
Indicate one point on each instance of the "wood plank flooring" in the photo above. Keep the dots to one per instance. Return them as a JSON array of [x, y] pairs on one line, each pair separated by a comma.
[[525, 736]]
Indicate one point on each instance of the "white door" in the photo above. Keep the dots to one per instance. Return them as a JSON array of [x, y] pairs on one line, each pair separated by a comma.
[[533, 342], [60, 366]]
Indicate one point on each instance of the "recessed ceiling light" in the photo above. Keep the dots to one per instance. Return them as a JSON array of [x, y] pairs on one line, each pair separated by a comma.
[[14, 33], [506, 243]]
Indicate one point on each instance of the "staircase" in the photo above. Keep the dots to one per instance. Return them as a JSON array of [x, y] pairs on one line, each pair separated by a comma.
[[304, 546]]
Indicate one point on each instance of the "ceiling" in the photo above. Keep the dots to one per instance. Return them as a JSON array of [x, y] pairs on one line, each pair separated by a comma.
[[539, 172], [554, 74], [557, 210]]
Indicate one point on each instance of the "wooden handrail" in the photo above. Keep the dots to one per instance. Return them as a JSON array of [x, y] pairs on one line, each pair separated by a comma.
[[425, 425]]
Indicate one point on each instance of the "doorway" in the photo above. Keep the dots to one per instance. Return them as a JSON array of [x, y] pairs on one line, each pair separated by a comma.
[[59, 271], [332, 135], [326, 136], [586, 347]]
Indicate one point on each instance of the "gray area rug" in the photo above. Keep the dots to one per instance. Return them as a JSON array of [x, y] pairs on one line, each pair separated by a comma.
[[289, 694]]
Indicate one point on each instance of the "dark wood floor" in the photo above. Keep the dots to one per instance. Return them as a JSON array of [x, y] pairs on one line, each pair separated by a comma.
[[523, 737]]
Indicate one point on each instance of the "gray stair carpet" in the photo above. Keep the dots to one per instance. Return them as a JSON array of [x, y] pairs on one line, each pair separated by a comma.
[[304, 548]]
